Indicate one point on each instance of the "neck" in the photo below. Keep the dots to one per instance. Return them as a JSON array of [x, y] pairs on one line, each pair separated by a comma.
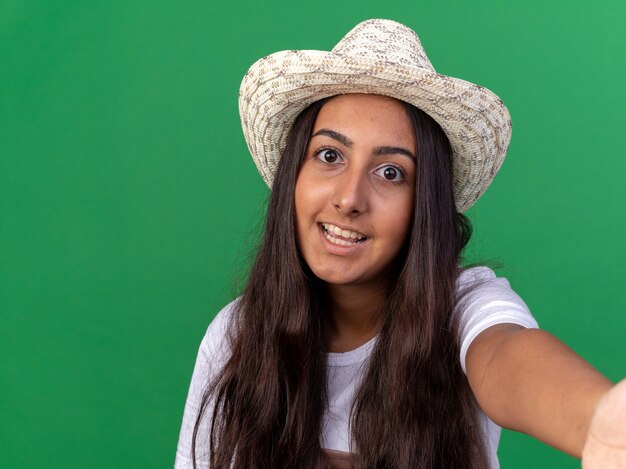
[[354, 315]]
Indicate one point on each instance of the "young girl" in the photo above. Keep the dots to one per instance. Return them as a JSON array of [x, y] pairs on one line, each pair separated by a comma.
[[359, 341]]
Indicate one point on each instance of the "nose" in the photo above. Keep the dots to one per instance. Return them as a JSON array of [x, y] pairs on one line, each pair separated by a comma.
[[351, 192]]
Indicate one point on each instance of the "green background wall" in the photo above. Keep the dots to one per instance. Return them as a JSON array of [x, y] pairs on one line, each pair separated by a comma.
[[129, 203]]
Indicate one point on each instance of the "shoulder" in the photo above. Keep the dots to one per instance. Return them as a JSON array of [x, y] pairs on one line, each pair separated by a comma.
[[212, 355], [480, 276], [485, 300], [216, 340], [479, 287], [224, 318]]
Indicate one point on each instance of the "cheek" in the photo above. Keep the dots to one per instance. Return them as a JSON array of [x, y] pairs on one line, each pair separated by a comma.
[[300, 202], [305, 203], [399, 221], [310, 194]]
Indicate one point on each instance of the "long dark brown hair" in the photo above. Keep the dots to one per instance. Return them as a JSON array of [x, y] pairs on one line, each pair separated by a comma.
[[414, 408]]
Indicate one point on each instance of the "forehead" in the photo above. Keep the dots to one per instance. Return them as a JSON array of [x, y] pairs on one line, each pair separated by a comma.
[[363, 101], [366, 115]]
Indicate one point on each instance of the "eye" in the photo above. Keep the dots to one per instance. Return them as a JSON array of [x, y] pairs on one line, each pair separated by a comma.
[[390, 173], [328, 155]]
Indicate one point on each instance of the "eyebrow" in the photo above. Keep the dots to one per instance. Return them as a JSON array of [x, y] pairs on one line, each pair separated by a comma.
[[394, 150], [378, 151], [334, 135]]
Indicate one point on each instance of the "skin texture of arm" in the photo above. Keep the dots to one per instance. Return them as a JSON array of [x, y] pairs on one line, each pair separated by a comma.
[[529, 381]]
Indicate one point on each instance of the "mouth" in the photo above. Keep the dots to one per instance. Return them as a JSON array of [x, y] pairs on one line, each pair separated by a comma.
[[342, 237]]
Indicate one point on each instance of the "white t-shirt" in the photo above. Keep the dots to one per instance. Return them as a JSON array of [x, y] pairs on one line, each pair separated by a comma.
[[491, 302]]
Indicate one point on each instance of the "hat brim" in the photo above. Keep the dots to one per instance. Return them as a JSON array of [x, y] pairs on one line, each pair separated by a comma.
[[278, 87]]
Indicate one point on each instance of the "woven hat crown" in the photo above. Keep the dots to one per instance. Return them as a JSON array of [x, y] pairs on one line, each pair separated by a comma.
[[385, 41]]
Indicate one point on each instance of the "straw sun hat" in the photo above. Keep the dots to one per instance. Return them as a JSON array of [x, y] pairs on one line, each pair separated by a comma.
[[379, 57]]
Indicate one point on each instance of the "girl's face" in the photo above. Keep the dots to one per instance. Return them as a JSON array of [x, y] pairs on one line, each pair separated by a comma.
[[355, 191]]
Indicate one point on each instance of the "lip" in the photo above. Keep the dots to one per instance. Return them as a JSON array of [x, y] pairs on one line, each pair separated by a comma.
[[336, 248], [349, 228]]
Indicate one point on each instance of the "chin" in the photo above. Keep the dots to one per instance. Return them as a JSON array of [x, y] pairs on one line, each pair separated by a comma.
[[339, 279]]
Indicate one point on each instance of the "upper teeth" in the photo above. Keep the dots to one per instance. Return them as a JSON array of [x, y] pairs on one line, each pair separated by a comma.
[[343, 233]]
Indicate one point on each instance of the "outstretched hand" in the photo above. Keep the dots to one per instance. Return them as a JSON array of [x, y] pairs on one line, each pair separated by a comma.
[[605, 447]]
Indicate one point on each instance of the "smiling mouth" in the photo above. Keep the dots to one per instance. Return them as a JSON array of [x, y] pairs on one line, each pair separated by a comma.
[[341, 237]]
